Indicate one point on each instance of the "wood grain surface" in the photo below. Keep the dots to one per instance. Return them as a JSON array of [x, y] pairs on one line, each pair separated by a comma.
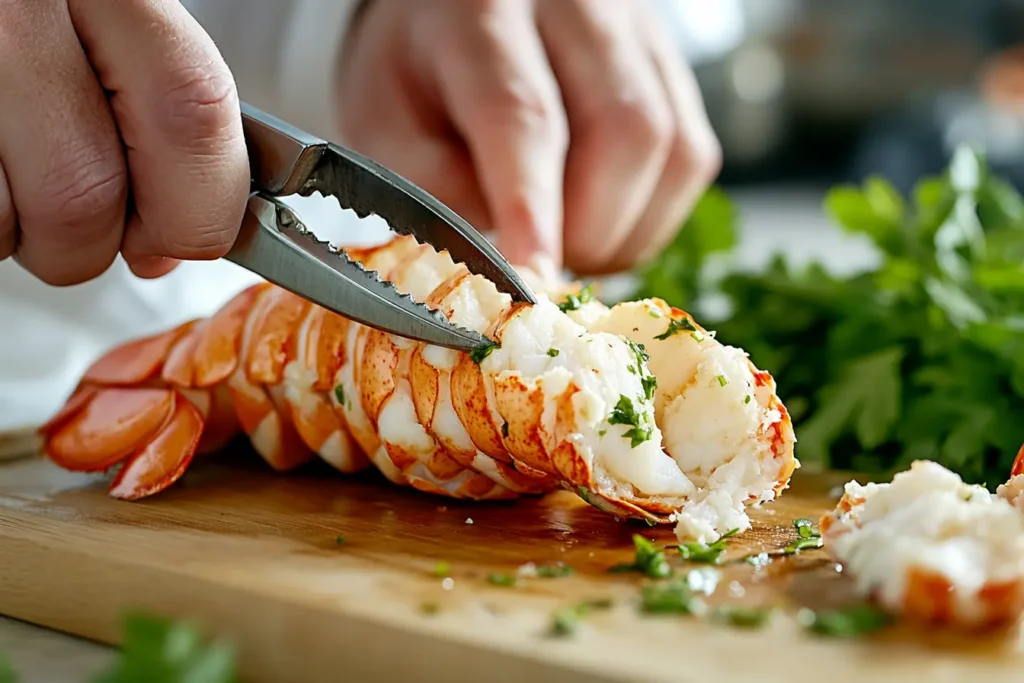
[[255, 557]]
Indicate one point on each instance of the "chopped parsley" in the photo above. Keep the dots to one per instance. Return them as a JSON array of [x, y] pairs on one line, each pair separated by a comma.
[[502, 579], [648, 381], [574, 301], [552, 352], [602, 432], [478, 354], [808, 537], [742, 617], [340, 540], [675, 327], [746, 399], [648, 560], [703, 553], [339, 393], [722, 381], [554, 571], [805, 528], [671, 597], [442, 569], [846, 623], [625, 413], [802, 544], [565, 621]]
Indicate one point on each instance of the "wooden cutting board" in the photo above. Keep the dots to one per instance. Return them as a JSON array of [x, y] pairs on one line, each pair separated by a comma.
[[255, 557]]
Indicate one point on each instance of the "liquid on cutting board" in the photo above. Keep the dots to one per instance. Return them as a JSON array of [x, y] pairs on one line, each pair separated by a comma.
[[313, 571]]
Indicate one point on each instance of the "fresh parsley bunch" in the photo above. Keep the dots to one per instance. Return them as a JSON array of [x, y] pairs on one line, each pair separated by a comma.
[[920, 358]]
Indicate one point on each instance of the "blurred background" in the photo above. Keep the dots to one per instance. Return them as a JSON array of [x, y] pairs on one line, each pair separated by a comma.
[[805, 94]]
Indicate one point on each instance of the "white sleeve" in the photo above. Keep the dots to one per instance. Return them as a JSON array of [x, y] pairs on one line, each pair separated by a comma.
[[282, 53]]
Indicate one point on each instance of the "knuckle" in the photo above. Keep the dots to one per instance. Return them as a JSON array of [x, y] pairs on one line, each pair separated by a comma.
[[641, 124], [200, 104], [694, 162], [204, 242], [525, 107], [84, 191]]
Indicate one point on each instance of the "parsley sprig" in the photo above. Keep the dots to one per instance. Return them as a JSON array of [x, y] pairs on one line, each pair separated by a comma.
[[919, 357]]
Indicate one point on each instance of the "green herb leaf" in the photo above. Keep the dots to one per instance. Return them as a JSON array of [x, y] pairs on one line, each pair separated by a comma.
[[478, 354], [554, 571], [675, 326], [339, 393], [742, 617], [7, 672], [164, 651], [502, 579], [625, 413], [648, 560], [848, 623], [340, 540], [695, 551], [670, 597], [565, 621], [552, 352], [575, 301]]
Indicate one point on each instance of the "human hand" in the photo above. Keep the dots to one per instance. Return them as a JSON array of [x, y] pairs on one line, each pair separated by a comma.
[[120, 129], [570, 127]]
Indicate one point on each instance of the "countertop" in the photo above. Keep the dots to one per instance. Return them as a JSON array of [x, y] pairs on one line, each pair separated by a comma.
[[773, 218]]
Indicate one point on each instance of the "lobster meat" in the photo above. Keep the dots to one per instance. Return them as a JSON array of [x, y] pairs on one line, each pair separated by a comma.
[[933, 548], [636, 408]]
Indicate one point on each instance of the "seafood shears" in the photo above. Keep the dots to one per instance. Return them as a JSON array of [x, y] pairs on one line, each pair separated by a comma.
[[274, 243]]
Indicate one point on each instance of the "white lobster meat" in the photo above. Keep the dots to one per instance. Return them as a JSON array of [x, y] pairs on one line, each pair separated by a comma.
[[931, 547]]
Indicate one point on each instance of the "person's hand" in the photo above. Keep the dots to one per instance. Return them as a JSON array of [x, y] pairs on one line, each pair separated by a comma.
[[567, 126], [120, 129]]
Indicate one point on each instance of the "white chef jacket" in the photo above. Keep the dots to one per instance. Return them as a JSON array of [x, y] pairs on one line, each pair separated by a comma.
[[281, 53]]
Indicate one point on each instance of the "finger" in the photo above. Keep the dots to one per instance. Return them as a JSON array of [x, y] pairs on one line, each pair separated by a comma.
[[620, 121], [694, 159], [495, 82], [393, 125], [8, 219], [61, 154], [177, 108]]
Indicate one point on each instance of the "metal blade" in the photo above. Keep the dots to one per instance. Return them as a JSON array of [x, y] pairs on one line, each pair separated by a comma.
[[367, 188], [275, 244]]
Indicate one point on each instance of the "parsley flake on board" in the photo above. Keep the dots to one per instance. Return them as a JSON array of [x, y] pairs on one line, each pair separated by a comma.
[[706, 553], [648, 560], [502, 579], [566, 620], [846, 623], [554, 571], [742, 617], [920, 356]]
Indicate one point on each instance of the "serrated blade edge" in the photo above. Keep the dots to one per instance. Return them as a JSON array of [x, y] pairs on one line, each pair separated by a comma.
[[274, 243]]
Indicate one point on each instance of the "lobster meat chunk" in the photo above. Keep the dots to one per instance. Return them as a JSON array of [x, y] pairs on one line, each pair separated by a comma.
[[931, 547], [636, 407]]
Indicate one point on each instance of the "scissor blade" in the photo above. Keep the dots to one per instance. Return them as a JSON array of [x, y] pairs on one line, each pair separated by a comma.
[[274, 244], [367, 188]]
